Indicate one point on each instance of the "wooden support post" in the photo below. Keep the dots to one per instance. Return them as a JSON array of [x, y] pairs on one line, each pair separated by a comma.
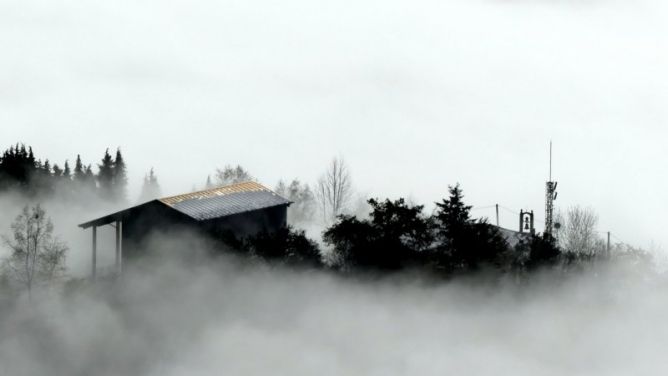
[[119, 232], [93, 273], [607, 249]]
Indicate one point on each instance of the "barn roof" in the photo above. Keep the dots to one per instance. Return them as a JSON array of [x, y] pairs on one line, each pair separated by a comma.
[[224, 201], [209, 204]]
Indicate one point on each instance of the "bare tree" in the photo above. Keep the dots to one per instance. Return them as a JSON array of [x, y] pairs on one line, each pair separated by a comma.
[[578, 235], [36, 255], [334, 190], [232, 175]]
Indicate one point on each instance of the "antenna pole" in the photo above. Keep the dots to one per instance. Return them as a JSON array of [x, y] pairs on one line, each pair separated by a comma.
[[550, 160], [550, 195]]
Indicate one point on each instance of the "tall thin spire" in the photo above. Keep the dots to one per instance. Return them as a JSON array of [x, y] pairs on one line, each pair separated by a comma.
[[550, 196], [550, 160]]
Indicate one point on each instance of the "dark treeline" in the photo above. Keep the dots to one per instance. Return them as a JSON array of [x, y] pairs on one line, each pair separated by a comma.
[[397, 236], [387, 236], [22, 171]]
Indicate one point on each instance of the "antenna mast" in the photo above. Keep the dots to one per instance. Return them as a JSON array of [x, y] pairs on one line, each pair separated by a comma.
[[550, 196]]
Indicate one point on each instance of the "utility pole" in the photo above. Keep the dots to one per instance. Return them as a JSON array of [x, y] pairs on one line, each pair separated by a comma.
[[497, 215]]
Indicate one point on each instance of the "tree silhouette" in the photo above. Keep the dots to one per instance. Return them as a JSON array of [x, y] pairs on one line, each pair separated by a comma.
[[151, 189], [120, 179], [303, 208], [334, 190], [36, 255], [284, 245], [79, 172], [105, 177], [232, 175], [67, 172], [396, 236], [465, 244]]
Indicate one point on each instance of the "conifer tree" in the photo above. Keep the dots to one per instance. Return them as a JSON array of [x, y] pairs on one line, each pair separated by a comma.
[[151, 189], [105, 176], [67, 173], [89, 178], [57, 171], [120, 181], [46, 168], [79, 172], [465, 244]]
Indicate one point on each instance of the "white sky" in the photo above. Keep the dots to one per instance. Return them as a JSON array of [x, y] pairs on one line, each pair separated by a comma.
[[415, 95]]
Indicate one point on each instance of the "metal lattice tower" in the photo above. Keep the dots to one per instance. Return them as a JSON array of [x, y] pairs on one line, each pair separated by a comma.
[[550, 196]]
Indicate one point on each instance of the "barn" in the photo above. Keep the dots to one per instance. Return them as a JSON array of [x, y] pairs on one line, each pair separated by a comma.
[[241, 209]]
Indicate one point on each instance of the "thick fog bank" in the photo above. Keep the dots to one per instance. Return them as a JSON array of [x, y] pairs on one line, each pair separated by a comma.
[[235, 318]]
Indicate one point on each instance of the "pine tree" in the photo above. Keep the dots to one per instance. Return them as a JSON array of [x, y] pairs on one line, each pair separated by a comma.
[[151, 189], [67, 173], [46, 168], [452, 213], [57, 171], [105, 176], [466, 244], [79, 173], [89, 178], [120, 180]]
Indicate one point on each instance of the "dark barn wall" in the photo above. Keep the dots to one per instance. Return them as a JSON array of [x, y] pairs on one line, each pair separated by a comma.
[[250, 223], [156, 218], [142, 222]]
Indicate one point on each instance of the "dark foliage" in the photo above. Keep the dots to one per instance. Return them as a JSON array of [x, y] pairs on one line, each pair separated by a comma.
[[285, 245], [105, 178], [542, 251], [21, 171], [396, 236], [464, 243], [120, 183]]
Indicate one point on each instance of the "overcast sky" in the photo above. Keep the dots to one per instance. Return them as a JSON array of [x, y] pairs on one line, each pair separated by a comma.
[[415, 95]]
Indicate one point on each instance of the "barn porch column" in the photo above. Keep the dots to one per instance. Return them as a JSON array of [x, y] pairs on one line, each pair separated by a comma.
[[93, 273], [119, 246], [118, 263]]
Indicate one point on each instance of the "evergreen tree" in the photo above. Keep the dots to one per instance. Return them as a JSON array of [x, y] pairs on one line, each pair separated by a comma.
[[120, 180], [151, 189], [79, 173], [465, 244], [105, 177], [89, 178], [67, 173], [208, 184], [57, 171], [46, 168]]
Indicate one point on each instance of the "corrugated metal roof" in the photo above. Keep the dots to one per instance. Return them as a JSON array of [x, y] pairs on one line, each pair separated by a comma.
[[224, 201], [211, 203], [249, 186]]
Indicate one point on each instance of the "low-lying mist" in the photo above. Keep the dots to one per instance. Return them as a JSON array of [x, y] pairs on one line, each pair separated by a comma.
[[196, 315]]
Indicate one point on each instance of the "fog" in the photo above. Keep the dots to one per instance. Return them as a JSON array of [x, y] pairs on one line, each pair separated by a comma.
[[415, 95], [182, 311], [169, 316]]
